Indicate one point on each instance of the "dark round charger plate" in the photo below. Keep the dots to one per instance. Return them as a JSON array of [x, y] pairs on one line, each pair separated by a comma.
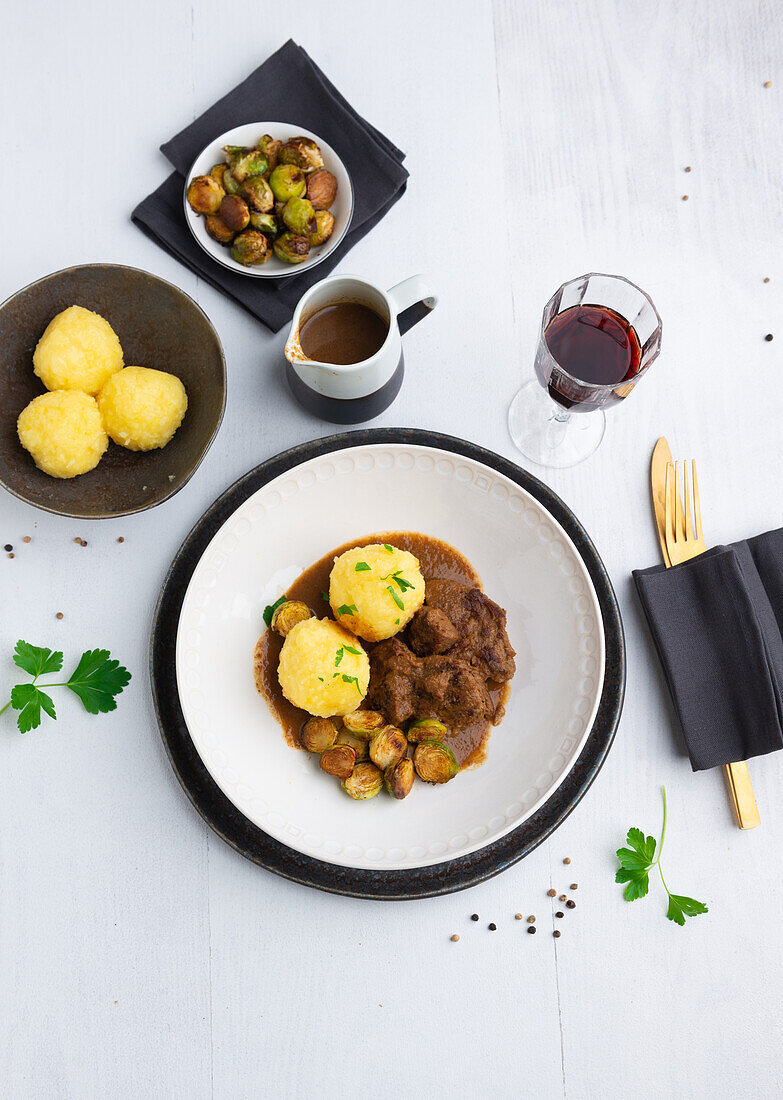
[[420, 882]]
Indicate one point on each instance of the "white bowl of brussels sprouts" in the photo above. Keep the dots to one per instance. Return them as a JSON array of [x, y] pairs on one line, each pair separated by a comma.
[[268, 199]]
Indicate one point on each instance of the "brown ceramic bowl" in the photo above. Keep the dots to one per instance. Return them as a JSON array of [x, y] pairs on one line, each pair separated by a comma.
[[158, 326]]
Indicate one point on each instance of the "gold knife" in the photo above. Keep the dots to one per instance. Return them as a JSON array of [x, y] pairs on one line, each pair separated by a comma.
[[737, 774]]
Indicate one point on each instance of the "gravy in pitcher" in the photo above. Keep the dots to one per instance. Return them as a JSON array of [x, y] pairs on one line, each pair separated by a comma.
[[345, 332]]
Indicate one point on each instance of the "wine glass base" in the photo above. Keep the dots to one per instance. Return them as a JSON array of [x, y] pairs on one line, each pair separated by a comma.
[[550, 435]]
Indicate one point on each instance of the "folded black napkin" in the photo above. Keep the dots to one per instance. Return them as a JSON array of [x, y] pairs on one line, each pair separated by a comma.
[[717, 623], [290, 87]]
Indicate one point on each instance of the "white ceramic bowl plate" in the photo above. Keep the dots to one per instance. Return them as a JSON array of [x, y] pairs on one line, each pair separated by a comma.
[[249, 134], [527, 564]]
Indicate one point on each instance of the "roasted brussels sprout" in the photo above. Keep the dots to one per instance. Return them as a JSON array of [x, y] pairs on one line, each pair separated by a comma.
[[324, 227], [365, 782], [232, 185], [217, 171], [434, 762], [287, 182], [398, 778], [258, 194], [288, 614], [291, 248], [218, 230], [387, 747], [299, 216], [321, 189], [245, 162], [426, 729], [338, 761], [205, 194], [358, 744], [303, 152], [267, 223], [234, 212], [271, 150], [317, 734], [364, 723], [251, 247]]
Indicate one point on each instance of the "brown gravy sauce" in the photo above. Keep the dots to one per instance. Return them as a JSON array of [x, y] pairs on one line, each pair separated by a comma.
[[346, 332], [438, 560]]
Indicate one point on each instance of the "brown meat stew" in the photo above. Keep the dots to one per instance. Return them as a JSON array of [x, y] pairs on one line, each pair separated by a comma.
[[453, 662]]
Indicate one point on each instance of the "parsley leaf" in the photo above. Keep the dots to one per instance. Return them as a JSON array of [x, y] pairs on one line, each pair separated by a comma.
[[361, 567], [338, 656], [350, 649], [681, 907], [395, 597], [30, 701], [636, 862], [348, 609], [352, 680], [36, 660], [270, 609], [97, 679], [388, 549]]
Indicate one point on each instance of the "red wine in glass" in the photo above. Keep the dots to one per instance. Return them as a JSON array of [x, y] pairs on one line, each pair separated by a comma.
[[599, 335], [590, 346]]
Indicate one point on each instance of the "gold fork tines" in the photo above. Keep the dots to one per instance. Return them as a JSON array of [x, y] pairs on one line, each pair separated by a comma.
[[684, 537]]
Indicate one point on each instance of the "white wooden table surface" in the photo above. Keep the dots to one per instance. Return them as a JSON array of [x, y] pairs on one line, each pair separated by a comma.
[[142, 957]]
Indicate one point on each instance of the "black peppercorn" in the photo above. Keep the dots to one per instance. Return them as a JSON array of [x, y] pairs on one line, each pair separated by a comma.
[[570, 904], [559, 914], [474, 917], [492, 927], [768, 337], [556, 933], [8, 548], [531, 929]]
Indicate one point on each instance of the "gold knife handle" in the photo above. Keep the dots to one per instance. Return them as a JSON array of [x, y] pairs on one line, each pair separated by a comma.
[[742, 796]]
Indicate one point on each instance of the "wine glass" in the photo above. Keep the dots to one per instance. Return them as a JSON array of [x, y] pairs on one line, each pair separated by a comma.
[[599, 334]]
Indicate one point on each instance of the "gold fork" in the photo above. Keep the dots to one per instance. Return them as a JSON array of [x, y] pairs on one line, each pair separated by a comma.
[[685, 540]]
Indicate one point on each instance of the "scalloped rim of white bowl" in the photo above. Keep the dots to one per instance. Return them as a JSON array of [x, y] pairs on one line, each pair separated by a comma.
[[248, 134], [552, 608]]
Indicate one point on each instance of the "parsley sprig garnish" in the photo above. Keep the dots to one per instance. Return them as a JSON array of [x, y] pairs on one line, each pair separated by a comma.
[[97, 679], [636, 862], [399, 580], [395, 597], [347, 609], [352, 680], [270, 609]]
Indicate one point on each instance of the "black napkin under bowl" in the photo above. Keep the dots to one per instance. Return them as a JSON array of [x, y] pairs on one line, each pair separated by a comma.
[[288, 87], [716, 621]]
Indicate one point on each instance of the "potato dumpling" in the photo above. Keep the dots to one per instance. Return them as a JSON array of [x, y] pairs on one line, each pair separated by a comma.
[[376, 590], [78, 351], [323, 669], [142, 408], [63, 432]]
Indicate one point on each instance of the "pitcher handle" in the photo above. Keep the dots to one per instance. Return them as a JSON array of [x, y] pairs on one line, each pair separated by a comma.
[[413, 300]]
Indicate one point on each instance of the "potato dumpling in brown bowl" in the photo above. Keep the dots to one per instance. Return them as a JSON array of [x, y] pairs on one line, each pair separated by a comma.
[[78, 351], [63, 432], [142, 408]]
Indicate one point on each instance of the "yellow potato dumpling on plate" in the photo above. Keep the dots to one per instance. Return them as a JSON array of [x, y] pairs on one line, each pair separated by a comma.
[[376, 590], [142, 408], [323, 669], [79, 350], [63, 432]]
